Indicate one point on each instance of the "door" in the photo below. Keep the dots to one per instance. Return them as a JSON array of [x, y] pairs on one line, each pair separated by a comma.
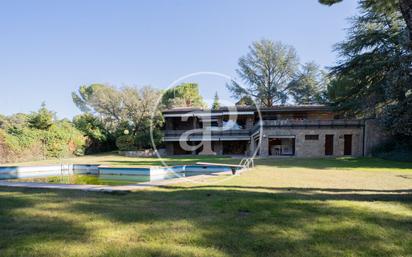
[[328, 144], [347, 150]]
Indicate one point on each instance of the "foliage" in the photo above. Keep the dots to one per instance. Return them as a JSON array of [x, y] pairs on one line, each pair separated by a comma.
[[245, 101], [373, 77], [216, 103], [63, 139], [90, 126], [42, 119], [125, 143], [31, 137], [183, 95], [270, 72], [85, 95], [383, 6], [309, 86], [114, 110], [394, 150], [99, 138]]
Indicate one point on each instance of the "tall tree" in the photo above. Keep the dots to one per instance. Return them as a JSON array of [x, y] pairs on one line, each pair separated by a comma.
[[42, 119], [404, 6], [183, 95], [373, 77], [216, 103], [267, 71], [309, 86], [128, 108]]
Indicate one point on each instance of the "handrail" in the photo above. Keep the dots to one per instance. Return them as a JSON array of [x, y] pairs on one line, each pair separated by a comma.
[[247, 163]]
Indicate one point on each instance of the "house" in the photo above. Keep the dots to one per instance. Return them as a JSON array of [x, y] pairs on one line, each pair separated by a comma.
[[302, 131]]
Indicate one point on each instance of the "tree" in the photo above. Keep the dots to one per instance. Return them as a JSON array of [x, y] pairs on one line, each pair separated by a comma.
[[309, 86], [129, 107], [42, 119], [267, 71], [216, 104], [99, 138], [84, 95], [245, 101], [183, 95], [91, 126], [404, 6], [373, 77]]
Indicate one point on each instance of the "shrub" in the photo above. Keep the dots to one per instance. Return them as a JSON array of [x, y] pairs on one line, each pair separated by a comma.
[[125, 143], [62, 139], [394, 150], [43, 119], [23, 144]]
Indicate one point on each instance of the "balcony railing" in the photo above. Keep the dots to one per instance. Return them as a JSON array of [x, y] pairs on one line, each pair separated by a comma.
[[231, 132], [309, 123]]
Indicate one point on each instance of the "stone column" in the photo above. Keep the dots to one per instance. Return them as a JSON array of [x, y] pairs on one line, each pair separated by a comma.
[[252, 146]]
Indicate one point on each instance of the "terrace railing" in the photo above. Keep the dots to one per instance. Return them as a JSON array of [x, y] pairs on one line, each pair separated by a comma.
[[231, 132], [308, 123]]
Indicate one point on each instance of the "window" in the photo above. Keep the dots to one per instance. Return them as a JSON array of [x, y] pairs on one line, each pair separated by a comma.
[[281, 146], [311, 137]]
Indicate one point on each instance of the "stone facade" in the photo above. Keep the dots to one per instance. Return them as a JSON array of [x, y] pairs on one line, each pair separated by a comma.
[[284, 131], [315, 148]]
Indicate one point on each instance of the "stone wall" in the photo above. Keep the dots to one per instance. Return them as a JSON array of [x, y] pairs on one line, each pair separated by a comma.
[[142, 153], [315, 148]]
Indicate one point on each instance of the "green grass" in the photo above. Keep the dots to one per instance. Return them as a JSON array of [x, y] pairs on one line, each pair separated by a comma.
[[283, 207], [113, 159]]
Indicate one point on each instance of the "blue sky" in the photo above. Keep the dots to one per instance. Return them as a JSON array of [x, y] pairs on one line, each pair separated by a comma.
[[49, 48]]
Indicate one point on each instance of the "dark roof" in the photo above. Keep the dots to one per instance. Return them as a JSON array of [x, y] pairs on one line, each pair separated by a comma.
[[278, 108]]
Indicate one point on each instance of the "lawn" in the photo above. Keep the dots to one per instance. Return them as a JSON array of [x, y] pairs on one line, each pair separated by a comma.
[[283, 207]]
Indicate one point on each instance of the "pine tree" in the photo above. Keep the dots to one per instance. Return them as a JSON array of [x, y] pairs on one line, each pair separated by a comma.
[[216, 103]]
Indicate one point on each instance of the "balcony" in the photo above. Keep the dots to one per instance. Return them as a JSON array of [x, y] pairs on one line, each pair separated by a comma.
[[308, 123], [216, 135]]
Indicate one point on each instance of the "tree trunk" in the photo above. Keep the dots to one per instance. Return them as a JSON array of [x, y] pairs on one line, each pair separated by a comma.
[[406, 9]]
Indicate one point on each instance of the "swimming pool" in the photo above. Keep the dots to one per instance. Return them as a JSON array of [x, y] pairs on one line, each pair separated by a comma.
[[101, 175]]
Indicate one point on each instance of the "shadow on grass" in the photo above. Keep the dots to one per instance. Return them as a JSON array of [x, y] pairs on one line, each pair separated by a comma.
[[23, 230], [323, 163], [213, 222]]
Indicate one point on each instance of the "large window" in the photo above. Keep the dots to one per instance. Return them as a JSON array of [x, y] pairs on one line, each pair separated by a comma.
[[282, 146]]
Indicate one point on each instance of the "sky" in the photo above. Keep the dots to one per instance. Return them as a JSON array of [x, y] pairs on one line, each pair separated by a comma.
[[50, 48]]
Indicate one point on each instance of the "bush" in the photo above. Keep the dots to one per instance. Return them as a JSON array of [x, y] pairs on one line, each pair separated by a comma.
[[125, 143], [394, 150], [24, 144], [62, 139]]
